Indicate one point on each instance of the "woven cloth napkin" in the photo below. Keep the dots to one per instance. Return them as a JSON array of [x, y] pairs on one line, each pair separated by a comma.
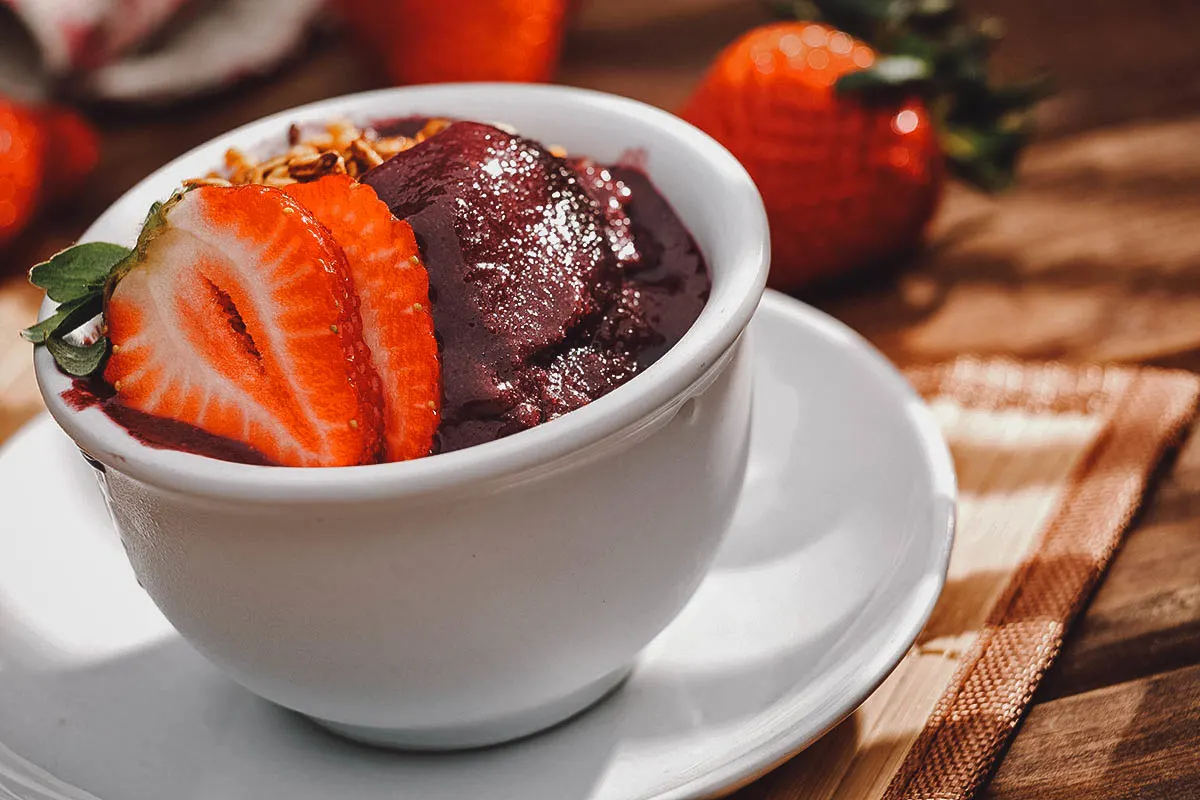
[[1052, 461]]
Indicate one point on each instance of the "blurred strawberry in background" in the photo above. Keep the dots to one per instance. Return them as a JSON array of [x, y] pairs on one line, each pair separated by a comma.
[[849, 127], [421, 41], [72, 150], [849, 114], [845, 183], [22, 158], [45, 155], [144, 52]]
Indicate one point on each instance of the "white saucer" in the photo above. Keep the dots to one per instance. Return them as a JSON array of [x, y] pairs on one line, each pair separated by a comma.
[[834, 561]]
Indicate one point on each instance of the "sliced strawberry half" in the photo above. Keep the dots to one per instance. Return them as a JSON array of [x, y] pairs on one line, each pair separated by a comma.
[[236, 315], [393, 292]]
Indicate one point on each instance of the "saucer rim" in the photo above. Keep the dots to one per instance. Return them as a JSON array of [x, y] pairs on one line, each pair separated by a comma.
[[782, 747], [794, 734]]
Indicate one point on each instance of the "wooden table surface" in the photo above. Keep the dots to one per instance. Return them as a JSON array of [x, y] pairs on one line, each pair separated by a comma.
[[1095, 256]]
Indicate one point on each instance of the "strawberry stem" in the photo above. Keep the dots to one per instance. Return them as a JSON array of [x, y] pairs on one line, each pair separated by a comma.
[[76, 278]]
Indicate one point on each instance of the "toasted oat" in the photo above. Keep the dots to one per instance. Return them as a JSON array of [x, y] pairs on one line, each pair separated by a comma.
[[313, 167], [342, 133], [432, 128], [386, 148], [235, 159], [340, 148], [193, 183], [363, 153]]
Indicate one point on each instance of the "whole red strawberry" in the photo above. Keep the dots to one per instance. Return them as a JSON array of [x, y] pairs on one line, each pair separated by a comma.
[[429, 41], [73, 151], [44, 155], [842, 141], [22, 167]]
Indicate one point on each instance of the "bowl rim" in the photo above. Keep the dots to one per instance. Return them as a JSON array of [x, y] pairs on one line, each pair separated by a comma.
[[634, 405]]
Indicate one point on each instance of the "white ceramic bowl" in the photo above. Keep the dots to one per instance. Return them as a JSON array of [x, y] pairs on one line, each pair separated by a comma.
[[480, 595]]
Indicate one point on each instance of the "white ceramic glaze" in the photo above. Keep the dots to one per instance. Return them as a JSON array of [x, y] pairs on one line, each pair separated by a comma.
[[478, 595], [836, 553]]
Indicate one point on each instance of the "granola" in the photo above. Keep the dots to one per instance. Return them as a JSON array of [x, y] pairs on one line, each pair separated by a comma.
[[342, 148]]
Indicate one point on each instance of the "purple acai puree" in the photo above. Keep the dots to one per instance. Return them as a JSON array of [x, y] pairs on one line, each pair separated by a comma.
[[552, 281], [160, 432]]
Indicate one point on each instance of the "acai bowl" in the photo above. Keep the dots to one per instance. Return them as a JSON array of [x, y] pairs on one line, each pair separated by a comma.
[[473, 596]]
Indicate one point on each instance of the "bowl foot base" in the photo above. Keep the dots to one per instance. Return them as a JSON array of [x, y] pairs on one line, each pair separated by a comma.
[[489, 732]]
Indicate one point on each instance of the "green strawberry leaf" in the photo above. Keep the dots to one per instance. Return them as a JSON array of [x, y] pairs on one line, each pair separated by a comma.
[[1020, 96], [889, 73], [40, 332], [917, 47], [67, 318], [987, 157], [76, 359], [901, 69], [843, 14], [77, 278], [867, 9], [77, 271]]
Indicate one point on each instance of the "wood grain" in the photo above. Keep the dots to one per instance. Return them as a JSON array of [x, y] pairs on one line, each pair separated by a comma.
[[1145, 618], [1133, 740], [1093, 256], [1013, 468]]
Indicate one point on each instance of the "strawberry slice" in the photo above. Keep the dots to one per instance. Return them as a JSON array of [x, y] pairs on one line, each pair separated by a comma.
[[236, 315], [393, 292]]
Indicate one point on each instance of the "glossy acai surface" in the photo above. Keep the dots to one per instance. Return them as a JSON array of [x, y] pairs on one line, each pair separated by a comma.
[[552, 280]]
